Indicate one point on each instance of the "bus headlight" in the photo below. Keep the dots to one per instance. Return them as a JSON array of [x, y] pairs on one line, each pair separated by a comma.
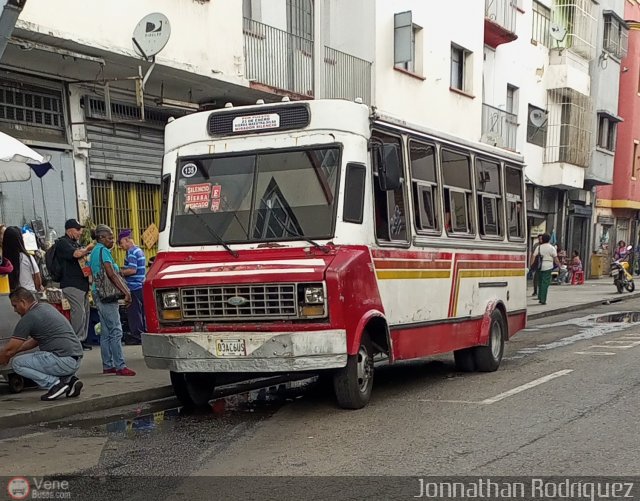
[[314, 295], [170, 300], [312, 300]]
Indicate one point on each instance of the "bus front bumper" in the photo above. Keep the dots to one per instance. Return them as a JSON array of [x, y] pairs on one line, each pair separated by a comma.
[[259, 351]]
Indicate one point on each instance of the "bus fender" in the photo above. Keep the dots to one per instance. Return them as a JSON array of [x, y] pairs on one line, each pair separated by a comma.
[[486, 320], [353, 341]]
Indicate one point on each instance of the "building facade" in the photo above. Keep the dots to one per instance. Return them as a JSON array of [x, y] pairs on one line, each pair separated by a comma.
[[618, 204]]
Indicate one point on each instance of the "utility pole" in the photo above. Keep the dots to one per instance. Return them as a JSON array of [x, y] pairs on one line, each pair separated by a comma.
[[8, 16]]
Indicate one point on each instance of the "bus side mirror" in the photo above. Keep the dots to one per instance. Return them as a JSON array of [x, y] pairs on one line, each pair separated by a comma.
[[389, 166]]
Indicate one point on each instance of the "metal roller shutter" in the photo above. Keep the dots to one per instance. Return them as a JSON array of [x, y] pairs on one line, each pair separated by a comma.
[[122, 152]]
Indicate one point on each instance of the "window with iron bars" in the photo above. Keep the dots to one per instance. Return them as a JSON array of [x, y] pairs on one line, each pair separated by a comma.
[[541, 23], [31, 107], [569, 136], [616, 36], [576, 19]]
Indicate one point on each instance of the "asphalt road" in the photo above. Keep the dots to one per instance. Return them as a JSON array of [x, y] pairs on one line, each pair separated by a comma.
[[564, 402]]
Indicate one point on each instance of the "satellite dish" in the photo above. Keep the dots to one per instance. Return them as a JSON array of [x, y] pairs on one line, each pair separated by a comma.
[[151, 35], [537, 118], [557, 32]]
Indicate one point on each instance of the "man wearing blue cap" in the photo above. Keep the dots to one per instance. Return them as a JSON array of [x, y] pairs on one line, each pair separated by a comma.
[[134, 272]]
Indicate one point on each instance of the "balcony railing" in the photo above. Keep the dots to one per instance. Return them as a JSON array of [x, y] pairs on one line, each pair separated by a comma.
[[284, 62], [499, 128], [278, 59], [500, 22], [346, 76]]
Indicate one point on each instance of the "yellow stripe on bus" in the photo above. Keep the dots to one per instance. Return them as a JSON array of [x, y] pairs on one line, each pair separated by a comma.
[[490, 273], [411, 274]]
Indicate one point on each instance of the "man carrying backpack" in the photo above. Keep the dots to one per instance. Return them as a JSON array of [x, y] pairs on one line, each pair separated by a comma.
[[74, 284]]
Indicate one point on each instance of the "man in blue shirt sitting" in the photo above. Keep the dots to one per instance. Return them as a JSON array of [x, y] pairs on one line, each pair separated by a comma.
[[133, 271]]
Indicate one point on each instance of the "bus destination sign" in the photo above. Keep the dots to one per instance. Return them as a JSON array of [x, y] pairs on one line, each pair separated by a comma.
[[256, 122]]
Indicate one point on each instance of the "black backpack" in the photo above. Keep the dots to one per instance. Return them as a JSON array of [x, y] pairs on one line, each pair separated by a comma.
[[54, 267]]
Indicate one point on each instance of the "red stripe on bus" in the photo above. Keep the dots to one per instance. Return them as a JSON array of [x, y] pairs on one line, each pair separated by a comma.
[[412, 265], [398, 254]]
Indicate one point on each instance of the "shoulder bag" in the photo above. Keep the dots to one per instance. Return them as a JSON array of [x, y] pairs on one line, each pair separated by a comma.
[[106, 289]]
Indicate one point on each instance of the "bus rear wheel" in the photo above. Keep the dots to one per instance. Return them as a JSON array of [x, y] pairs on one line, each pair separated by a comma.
[[353, 384], [488, 358], [194, 390]]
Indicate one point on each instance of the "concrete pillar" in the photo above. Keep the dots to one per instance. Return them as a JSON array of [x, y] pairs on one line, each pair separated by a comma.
[[80, 152]]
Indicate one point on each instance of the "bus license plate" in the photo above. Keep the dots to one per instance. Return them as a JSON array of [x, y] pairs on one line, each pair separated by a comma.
[[231, 348]]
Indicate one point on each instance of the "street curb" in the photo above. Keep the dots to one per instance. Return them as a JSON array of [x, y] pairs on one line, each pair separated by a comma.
[[583, 306], [80, 406]]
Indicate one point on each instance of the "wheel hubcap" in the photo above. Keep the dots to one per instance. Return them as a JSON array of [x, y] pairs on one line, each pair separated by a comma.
[[496, 340], [365, 369]]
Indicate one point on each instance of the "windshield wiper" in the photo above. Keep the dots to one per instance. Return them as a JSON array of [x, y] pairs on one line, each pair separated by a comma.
[[293, 233], [213, 233]]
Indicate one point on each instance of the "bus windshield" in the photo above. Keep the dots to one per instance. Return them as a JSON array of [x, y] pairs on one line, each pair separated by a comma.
[[267, 196]]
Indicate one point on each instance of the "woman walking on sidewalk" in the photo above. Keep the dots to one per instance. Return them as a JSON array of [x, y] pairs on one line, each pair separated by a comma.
[[549, 257], [101, 261]]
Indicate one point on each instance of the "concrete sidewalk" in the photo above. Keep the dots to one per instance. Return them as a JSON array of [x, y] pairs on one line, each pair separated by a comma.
[[567, 298], [100, 392], [108, 391]]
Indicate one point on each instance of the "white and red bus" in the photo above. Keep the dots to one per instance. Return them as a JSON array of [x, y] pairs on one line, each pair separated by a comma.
[[313, 236]]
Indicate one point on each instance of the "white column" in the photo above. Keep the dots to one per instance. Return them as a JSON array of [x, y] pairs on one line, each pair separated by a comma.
[[318, 49]]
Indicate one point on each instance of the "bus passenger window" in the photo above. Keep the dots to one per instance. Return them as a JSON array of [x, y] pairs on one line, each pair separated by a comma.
[[425, 186], [515, 199], [489, 198], [390, 209], [456, 174], [355, 185]]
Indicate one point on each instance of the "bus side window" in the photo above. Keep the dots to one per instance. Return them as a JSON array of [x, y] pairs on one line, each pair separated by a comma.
[[456, 175], [389, 206], [424, 186], [489, 197], [355, 183], [164, 208], [515, 210]]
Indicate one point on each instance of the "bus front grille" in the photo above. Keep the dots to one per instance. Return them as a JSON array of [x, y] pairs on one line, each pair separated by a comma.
[[235, 302]]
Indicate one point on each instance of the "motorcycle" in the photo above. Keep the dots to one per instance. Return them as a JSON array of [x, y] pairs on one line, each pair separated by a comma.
[[622, 278]]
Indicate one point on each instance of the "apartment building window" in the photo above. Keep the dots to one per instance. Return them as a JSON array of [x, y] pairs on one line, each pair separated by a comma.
[[407, 43], [616, 35], [607, 126], [461, 67], [541, 23], [512, 99], [300, 18], [537, 126], [635, 165]]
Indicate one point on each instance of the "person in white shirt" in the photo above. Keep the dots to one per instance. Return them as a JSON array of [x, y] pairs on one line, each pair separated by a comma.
[[549, 259], [25, 269]]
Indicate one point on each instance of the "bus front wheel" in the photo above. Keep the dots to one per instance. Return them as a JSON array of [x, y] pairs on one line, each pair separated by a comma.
[[193, 389], [353, 384], [488, 358]]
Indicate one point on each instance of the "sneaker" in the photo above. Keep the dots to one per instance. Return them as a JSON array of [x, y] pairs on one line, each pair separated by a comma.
[[56, 391], [125, 372], [75, 387], [109, 371]]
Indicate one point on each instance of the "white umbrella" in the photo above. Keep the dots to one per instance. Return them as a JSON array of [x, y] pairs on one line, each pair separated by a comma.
[[17, 160]]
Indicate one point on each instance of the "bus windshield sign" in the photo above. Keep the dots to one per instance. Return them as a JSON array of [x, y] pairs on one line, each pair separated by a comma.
[[256, 122]]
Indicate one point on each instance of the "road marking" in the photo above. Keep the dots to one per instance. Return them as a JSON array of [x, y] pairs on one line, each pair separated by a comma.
[[617, 345], [594, 353], [527, 386], [426, 400]]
